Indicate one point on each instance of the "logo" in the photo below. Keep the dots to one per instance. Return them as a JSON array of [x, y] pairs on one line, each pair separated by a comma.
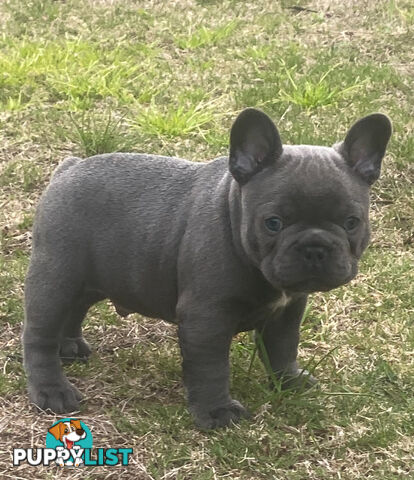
[[69, 437], [69, 444]]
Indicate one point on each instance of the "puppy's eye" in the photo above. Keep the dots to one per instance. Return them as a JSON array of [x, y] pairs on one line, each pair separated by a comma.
[[274, 224], [351, 223]]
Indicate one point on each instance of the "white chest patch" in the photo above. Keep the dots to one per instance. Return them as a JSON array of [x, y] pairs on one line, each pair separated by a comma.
[[281, 302]]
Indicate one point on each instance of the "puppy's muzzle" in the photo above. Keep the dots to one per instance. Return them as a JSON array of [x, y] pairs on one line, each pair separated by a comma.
[[314, 256]]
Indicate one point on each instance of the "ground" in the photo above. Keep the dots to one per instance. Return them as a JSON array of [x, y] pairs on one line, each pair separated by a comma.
[[84, 77]]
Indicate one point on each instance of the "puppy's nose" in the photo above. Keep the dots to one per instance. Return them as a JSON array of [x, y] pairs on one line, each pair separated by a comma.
[[80, 431], [314, 255]]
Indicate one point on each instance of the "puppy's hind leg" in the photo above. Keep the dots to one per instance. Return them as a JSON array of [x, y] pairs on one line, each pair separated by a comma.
[[73, 345], [49, 295]]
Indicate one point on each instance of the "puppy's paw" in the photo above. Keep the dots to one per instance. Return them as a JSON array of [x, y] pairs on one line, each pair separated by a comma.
[[219, 417], [72, 349], [299, 381], [59, 397]]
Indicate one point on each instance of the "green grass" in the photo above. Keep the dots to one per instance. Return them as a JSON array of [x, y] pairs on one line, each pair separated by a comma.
[[91, 77], [205, 37], [315, 94], [175, 121], [97, 134]]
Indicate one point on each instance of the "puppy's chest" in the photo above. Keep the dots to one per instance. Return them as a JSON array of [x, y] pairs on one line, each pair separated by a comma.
[[257, 314], [279, 303]]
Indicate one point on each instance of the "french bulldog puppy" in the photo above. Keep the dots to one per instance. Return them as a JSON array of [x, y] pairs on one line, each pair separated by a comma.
[[218, 248]]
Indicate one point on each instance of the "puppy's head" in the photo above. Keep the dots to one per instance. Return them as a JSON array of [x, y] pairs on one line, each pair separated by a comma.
[[71, 430], [304, 209]]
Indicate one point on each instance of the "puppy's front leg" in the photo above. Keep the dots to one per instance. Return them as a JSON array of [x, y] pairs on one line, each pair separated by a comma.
[[280, 339], [205, 345]]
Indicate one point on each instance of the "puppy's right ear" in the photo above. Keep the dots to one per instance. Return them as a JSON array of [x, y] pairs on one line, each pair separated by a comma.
[[254, 144], [56, 430]]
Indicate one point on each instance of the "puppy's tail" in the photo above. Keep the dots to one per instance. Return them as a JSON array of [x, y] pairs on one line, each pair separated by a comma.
[[65, 165]]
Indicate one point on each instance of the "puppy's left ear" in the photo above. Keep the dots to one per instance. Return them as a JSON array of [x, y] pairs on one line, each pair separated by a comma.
[[365, 144], [254, 144], [76, 423]]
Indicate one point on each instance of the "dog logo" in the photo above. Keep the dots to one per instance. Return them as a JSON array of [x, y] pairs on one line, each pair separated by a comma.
[[69, 444], [69, 437]]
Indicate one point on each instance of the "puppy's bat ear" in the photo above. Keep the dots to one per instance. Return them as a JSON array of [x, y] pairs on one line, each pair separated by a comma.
[[56, 430], [364, 145], [254, 144]]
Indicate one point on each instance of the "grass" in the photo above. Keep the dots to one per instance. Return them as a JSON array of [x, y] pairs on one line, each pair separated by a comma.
[[90, 77], [97, 134], [175, 121], [315, 94], [205, 37]]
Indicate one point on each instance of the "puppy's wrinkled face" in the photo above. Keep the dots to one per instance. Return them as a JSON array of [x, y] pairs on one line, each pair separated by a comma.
[[304, 209], [305, 220]]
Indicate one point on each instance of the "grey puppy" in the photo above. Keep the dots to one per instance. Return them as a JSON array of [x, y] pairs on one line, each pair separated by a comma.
[[222, 247]]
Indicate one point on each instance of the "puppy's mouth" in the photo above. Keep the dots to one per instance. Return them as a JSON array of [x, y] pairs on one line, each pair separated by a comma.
[[69, 444], [297, 280], [314, 284]]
